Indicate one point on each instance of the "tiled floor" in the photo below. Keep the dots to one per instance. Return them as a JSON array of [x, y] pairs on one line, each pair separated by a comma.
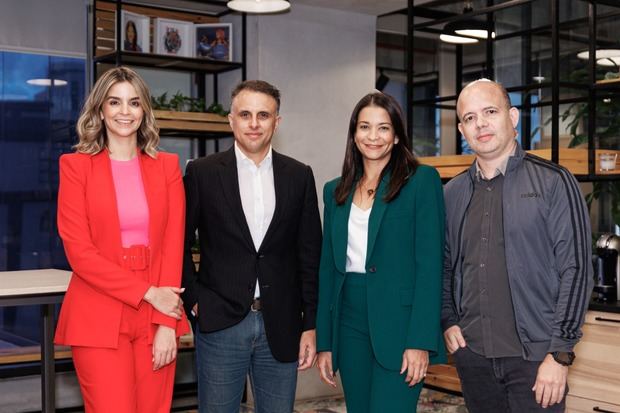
[[430, 402]]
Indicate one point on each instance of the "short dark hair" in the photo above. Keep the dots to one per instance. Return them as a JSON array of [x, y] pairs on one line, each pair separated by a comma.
[[259, 86]]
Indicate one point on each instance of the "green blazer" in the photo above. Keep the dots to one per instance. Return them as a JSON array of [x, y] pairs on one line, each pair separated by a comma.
[[403, 270]]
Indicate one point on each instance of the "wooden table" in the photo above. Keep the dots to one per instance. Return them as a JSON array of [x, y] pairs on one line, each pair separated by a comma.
[[45, 288]]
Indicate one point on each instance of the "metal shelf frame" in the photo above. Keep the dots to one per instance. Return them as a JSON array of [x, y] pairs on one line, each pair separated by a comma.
[[593, 89]]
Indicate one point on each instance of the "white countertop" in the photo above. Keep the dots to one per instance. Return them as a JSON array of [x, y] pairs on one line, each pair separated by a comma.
[[46, 281]]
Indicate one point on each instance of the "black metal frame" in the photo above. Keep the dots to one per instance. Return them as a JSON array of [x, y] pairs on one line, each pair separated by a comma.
[[198, 67], [47, 302], [555, 83]]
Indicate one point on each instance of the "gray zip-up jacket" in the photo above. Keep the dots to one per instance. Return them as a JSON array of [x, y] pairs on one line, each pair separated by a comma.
[[548, 252]]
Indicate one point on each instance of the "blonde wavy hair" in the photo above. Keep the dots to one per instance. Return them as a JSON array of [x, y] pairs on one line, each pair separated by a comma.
[[90, 127]]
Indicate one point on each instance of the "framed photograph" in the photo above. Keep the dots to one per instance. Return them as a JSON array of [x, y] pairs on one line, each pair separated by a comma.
[[135, 32], [213, 41], [174, 37]]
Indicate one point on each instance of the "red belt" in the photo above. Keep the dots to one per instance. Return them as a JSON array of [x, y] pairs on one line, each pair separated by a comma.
[[136, 257]]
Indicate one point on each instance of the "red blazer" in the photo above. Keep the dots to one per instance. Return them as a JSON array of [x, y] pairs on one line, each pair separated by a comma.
[[90, 230]]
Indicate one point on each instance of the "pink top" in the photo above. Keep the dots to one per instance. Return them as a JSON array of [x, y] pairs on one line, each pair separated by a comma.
[[133, 210]]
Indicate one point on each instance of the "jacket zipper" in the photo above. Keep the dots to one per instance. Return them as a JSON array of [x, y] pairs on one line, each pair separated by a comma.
[[458, 256]]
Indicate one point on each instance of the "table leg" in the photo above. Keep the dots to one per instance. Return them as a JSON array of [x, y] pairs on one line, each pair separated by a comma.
[[48, 388]]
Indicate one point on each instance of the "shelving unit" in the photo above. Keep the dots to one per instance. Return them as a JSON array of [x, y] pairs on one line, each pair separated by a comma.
[[106, 35]]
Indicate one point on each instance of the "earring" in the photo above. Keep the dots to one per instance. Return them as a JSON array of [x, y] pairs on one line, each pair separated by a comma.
[[396, 141]]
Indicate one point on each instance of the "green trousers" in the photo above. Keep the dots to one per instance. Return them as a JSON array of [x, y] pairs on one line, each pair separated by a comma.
[[368, 386]]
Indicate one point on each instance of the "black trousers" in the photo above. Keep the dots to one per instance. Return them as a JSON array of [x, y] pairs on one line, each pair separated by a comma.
[[498, 385]]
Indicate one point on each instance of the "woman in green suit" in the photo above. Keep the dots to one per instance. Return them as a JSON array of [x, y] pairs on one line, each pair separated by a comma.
[[381, 264]]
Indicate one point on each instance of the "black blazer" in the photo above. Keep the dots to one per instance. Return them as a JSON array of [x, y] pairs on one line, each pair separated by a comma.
[[286, 263]]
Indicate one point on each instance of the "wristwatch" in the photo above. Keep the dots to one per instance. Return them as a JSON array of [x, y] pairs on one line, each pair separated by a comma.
[[564, 358]]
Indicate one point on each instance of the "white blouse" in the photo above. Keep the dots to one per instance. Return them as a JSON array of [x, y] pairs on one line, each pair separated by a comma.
[[357, 240]]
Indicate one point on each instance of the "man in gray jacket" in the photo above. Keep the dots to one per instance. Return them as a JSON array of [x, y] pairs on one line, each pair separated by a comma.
[[517, 270]]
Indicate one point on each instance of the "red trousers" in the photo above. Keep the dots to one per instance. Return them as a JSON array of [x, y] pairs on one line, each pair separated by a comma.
[[122, 380]]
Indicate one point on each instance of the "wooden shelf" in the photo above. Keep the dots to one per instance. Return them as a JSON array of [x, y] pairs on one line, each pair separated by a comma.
[[30, 354], [192, 122], [169, 62], [574, 159], [607, 81]]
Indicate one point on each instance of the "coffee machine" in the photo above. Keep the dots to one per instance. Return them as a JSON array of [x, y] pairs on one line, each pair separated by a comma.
[[607, 268]]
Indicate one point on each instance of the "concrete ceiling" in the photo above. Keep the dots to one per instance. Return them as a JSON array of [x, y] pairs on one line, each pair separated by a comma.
[[372, 7]]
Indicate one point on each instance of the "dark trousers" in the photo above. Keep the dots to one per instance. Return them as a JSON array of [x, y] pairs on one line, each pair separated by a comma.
[[498, 385], [368, 386]]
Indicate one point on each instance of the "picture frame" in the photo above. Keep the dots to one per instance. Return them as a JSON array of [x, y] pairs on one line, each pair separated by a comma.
[[135, 36], [214, 41], [174, 37]]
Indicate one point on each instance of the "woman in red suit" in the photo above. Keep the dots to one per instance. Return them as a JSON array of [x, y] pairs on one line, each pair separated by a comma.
[[121, 219]]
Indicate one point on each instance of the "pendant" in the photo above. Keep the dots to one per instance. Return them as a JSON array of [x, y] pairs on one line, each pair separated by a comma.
[[370, 192]]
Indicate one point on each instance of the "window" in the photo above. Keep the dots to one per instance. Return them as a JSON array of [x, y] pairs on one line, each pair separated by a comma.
[[40, 99]]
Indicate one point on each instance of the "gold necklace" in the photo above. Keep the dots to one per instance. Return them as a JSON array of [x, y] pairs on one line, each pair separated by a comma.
[[369, 191]]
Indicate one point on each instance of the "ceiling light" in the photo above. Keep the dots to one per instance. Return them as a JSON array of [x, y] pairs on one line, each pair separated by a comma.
[[604, 57], [466, 30], [448, 38], [46, 82], [609, 61], [477, 33], [600, 54], [259, 6]]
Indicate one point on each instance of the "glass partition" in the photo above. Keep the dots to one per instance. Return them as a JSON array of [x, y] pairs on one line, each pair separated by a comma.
[[40, 100]]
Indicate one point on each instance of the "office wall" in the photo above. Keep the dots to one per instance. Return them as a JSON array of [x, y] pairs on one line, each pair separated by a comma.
[[52, 27], [323, 61]]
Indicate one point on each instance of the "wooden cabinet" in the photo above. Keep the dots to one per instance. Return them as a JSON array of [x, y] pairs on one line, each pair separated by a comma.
[[581, 405], [594, 378]]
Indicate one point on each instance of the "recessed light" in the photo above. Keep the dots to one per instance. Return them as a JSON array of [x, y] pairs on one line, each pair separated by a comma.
[[47, 82]]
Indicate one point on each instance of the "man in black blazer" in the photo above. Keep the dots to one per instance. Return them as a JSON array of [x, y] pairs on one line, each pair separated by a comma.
[[255, 294]]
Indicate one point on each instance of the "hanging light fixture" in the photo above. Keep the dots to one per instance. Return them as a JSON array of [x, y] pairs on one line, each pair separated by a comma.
[[466, 30], [449, 38], [604, 57], [259, 6]]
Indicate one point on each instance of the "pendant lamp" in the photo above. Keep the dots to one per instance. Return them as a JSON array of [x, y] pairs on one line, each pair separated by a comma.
[[259, 6]]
